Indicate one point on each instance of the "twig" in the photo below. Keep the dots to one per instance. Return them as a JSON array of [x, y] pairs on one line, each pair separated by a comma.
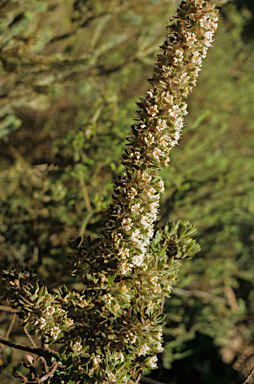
[[29, 336], [38, 351], [38, 379], [139, 377], [49, 374], [249, 376], [10, 327], [8, 309]]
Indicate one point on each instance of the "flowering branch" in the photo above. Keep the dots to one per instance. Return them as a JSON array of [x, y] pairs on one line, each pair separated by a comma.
[[112, 329]]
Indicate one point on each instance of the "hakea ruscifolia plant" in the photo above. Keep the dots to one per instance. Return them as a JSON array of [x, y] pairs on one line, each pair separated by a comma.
[[112, 330]]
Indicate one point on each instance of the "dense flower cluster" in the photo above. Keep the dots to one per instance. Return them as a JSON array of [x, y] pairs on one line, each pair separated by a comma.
[[157, 129]]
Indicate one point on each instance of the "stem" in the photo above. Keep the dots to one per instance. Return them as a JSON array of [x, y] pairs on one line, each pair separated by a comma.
[[10, 327], [38, 351], [8, 309], [29, 336], [249, 376]]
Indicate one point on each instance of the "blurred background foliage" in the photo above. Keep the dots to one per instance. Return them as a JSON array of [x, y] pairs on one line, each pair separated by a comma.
[[71, 71]]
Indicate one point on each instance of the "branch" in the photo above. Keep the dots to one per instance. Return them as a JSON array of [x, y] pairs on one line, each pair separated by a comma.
[[29, 336], [249, 376], [10, 327], [38, 379], [38, 351], [8, 309]]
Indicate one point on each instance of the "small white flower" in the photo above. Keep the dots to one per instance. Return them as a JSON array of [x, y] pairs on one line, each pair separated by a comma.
[[150, 305], [135, 208], [124, 289], [166, 161], [111, 377], [143, 350], [97, 359], [150, 229], [124, 178], [54, 332], [176, 136], [159, 347], [49, 311], [161, 186], [149, 139], [163, 140], [135, 236], [41, 322], [174, 111], [196, 60], [82, 303], [179, 123], [160, 335], [205, 22], [204, 52], [151, 362], [153, 110], [124, 267], [77, 346], [142, 125], [184, 78], [184, 109], [157, 289], [161, 125], [190, 37], [24, 275], [157, 153], [167, 71], [107, 298], [131, 338], [186, 91], [68, 322], [151, 192], [154, 207], [127, 223], [138, 260], [146, 178], [145, 222], [178, 56], [136, 155], [169, 288], [153, 279], [169, 99], [208, 38], [150, 93], [132, 192], [124, 253], [119, 356], [117, 237]]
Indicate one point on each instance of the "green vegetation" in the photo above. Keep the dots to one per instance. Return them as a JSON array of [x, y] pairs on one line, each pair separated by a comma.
[[71, 72]]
